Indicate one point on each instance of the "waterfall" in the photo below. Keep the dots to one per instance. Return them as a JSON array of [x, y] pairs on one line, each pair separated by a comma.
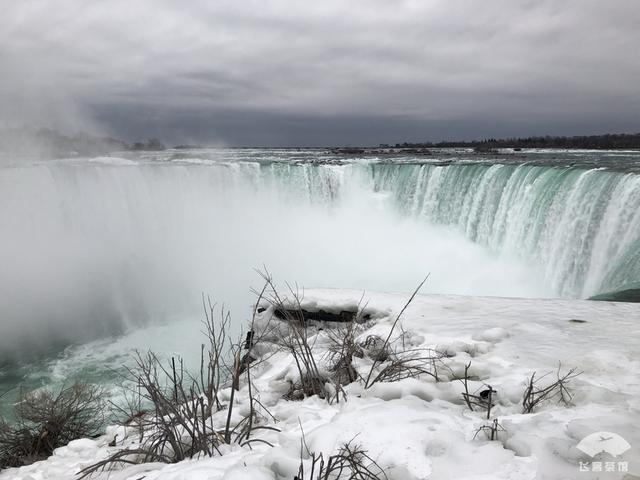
[[582, 227], [92, 247]]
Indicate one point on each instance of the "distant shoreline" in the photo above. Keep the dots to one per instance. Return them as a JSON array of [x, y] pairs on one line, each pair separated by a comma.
[[42, 142]]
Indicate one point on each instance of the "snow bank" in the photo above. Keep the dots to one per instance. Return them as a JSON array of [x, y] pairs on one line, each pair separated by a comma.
[[420, 428]]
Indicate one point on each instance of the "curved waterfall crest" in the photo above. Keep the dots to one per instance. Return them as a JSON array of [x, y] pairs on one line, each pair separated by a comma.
[[99, 245], [582, 227]]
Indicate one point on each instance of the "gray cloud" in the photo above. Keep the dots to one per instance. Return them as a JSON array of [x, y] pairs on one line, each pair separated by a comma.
[[287, 72]]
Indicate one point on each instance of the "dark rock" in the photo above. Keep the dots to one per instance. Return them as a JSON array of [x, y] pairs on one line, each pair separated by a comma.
[[302, 315], [248, 342], [348, 151], [629, 295]]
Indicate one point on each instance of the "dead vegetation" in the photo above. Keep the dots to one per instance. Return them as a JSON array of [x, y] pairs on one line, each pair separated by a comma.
[[482, 399], [390, 358], [46, 420], [492, 431], [557, 390], [170, 411], [534, 395], [390, 367], [350, 462], [412, 363], [343, 347], [342, 351], [296, 341], [179, 421]]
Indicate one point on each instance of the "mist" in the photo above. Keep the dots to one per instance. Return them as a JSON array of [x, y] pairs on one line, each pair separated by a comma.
[[100, 247]]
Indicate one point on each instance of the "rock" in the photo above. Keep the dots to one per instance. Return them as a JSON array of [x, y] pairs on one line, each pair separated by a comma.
[[343, 316]]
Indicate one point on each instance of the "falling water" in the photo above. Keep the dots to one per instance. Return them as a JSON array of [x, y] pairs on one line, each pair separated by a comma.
[[582, 227], [98, 247]]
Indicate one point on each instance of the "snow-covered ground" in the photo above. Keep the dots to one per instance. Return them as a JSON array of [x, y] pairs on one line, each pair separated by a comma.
[[420, 428]]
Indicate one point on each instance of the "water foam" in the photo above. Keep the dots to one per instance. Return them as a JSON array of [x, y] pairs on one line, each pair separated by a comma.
[[95, 248]]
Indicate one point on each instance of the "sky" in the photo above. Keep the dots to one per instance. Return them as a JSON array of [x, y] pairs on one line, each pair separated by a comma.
[[334, 72]]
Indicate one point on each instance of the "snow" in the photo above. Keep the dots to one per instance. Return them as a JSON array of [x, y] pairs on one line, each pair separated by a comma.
[[418, 428]]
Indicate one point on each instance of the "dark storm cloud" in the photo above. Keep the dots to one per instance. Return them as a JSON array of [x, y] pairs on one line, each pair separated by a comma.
[[288, 72]]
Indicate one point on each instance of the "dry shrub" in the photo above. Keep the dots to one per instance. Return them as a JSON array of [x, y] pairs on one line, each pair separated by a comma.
[[47, 420], [408, 364], [376, 348], [492, 431], [485, 395], [342, 351], [388, 364], [178, 423], [557, 390], [343, 348], [394, 371], [351, 462], [296, 339]]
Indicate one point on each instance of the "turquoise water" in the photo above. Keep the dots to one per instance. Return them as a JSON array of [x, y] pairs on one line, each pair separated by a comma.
[[109, 254], [581, 226]]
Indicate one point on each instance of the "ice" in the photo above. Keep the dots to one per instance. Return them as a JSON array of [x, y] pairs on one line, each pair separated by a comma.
[[420, 428]]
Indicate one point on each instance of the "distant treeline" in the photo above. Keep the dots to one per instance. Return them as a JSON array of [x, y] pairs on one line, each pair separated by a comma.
[[46, 142], [604, 142]]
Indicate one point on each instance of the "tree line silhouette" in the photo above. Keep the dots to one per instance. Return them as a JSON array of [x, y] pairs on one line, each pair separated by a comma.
[[609, 141]]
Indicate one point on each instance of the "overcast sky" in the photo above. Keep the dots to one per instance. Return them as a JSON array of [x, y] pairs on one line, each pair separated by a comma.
[[330, 72]]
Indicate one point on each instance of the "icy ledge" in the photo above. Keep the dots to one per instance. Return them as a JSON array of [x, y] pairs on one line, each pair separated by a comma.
[[422, 429]]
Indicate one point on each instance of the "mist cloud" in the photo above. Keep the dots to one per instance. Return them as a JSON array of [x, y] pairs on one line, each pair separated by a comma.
[[287, 73]]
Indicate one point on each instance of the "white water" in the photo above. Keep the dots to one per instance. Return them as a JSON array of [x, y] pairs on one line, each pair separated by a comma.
[[582, 227], [90, 248], [99, 247]]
